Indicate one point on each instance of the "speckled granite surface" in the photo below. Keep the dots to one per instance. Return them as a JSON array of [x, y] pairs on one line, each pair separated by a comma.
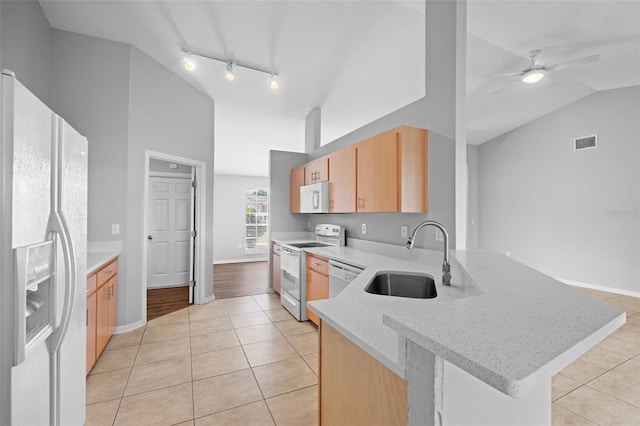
[[500, 321]]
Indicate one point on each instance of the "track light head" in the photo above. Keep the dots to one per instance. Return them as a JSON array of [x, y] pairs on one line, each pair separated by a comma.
[[229, 74], [273, 82], [189, 63]]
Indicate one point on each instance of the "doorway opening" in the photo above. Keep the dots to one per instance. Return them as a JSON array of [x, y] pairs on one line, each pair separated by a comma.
[[173, 273]]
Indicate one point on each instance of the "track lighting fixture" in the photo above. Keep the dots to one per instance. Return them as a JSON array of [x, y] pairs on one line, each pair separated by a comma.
[[229, 74], [273, 82], [190, 65]]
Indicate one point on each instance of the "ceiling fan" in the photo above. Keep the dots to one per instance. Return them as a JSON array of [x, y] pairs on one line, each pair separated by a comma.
[[536, 72]]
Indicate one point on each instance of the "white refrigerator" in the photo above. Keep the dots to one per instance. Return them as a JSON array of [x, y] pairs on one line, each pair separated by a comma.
[[43, 177]]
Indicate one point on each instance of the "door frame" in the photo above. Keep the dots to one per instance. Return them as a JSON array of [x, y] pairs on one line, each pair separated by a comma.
[[201, 213]]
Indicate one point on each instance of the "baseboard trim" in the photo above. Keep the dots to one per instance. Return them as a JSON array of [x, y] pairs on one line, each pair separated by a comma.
[[207, 299], [249, 259], [129, 327], [601, 288]]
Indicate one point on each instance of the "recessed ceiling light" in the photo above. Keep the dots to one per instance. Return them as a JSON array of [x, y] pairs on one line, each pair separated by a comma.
[[533, 76], [229, 74], [273, 82]]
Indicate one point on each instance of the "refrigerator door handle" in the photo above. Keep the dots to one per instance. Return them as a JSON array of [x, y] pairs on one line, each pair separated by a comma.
[[58, 225]]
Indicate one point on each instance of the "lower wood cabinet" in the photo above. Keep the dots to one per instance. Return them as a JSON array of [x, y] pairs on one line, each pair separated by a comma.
[[102, 310], [355, 388], [317, 282]]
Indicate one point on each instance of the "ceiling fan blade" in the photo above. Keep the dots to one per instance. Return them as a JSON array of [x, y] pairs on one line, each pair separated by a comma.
[[574, 62], [504, 74]]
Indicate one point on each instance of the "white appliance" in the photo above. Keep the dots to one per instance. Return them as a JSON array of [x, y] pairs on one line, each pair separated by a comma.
[[293, 266], [43, 177], [314, 198], [340, 276]]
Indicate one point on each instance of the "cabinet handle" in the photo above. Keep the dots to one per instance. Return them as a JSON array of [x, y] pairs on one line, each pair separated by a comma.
[[330, 204], [360, 201], [86, 316]]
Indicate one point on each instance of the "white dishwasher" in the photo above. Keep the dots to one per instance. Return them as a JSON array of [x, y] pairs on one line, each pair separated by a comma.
[[340, 275]]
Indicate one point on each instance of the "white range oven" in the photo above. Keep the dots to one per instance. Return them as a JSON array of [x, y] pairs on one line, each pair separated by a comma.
[[293, 264]]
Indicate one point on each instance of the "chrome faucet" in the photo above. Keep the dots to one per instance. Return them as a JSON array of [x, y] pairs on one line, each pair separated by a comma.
[[446, 268]]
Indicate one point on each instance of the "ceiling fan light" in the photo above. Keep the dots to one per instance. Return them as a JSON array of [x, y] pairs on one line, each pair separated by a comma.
[[533, 76], [229, 74], [189, 63], [273, 82]]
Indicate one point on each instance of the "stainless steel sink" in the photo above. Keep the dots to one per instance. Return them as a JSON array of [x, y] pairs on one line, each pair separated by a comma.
[[403, 285]]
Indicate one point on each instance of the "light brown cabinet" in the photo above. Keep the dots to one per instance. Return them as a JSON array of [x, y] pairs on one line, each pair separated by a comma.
[[296, 180], [317, 282], [275, 267], [316, 171], [102, 310], [342, 181], [385, 173], [344, 368]]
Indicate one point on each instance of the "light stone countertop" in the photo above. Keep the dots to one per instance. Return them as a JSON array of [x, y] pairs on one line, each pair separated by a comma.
[[97, 259], [500, 321]]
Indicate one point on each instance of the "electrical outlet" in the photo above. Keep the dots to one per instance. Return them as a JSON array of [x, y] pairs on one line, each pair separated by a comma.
[[364, 228], [404, 231], [439, 235], [239, 245], [507, 253], [115, 229], [308, 224]]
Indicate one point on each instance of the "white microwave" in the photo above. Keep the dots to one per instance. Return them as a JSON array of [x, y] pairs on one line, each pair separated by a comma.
[[314, 198]]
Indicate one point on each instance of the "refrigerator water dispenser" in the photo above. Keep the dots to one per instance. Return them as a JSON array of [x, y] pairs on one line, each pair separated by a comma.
[[35, 279]]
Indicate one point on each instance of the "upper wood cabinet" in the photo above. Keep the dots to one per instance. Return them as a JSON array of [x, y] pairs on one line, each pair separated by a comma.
[[385, 173], [342, 181], [377, 173], [316, 171], [296, 181]]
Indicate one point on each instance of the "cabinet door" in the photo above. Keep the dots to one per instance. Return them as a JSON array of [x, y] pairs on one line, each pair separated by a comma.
[[91, 330], [342, 181], [296, 181], [413, 170], [316, 171], [377, 173], [275, 278], [102, 318], [317, 289], [113, 305]]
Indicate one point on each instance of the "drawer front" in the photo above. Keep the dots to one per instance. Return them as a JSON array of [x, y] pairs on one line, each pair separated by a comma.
[[92, 283], [107, 272], [317, 264], [276, 249]]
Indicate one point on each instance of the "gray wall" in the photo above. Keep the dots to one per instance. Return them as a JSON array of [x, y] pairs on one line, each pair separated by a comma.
[[170, 116], [472, 197], [229, 218], [26, 45], [572, 215]]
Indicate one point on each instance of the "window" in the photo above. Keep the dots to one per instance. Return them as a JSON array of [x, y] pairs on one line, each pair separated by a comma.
[[256, 221]]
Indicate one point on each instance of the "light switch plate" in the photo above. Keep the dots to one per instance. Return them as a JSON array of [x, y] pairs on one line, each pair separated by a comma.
[[115, 229], [439, 235]]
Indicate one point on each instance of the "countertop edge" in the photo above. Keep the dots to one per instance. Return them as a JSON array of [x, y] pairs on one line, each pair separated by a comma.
[[97, 259]]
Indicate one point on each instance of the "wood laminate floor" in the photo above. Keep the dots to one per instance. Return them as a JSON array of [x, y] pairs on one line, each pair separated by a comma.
[[240, 279], [162, 301]]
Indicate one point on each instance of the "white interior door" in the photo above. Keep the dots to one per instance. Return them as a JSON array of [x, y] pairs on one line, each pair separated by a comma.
[[169, 232]]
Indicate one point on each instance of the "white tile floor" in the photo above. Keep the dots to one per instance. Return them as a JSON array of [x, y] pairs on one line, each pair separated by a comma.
[[246, 361]]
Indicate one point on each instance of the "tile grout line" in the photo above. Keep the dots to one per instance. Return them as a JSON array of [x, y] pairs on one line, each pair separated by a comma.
[[193, 394], [129, 376]]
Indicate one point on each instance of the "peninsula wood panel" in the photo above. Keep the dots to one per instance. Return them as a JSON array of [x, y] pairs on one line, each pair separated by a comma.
[[377, 173], [276, 268], [296, 180], [342, 181], [317, 282], [355, 389], [413, 169]]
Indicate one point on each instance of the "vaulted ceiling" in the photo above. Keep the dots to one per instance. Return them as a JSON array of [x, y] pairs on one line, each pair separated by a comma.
[[359, 60]]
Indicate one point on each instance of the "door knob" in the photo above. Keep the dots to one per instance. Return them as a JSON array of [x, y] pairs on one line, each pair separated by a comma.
[[149, 237]]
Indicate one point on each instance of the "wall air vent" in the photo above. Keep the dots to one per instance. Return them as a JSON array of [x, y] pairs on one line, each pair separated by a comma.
[[585, 142]]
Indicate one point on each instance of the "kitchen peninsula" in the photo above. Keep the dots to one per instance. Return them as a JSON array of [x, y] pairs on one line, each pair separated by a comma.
[[482, 352]]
